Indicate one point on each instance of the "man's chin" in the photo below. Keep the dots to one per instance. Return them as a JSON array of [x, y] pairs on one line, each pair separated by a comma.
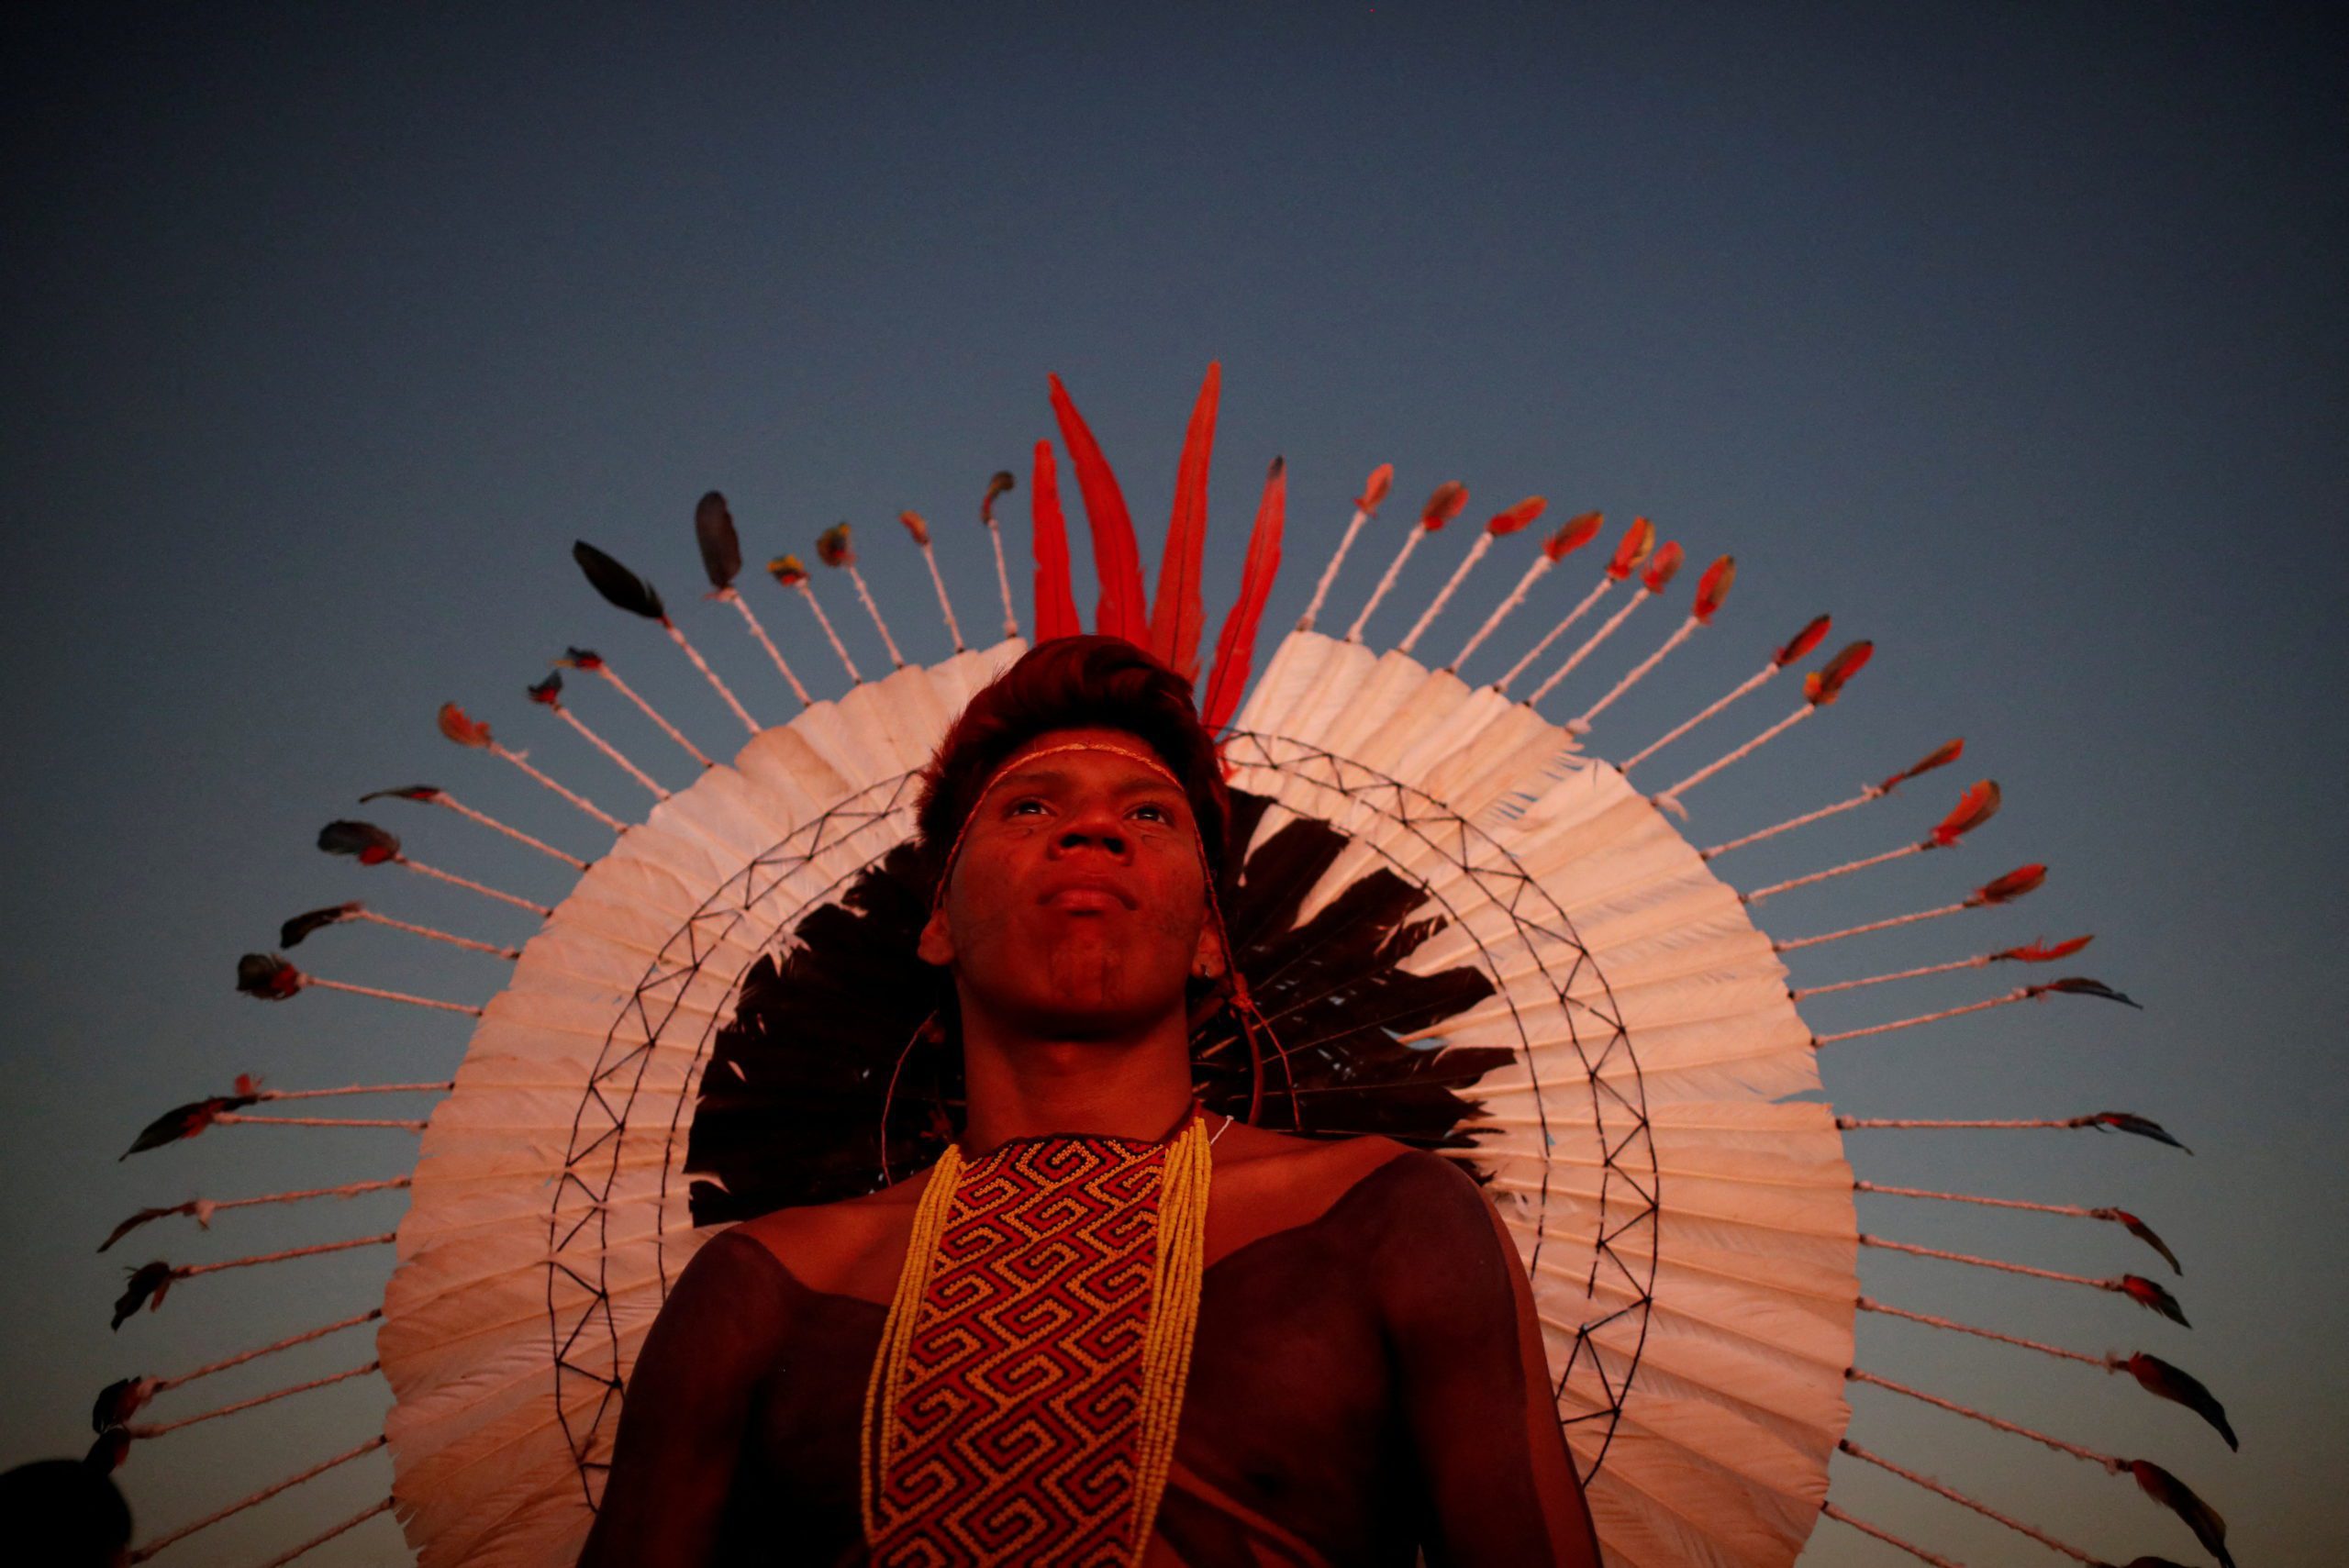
[[1100, 1018]]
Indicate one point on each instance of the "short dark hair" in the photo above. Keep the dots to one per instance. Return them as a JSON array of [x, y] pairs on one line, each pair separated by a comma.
[[1072, 683]]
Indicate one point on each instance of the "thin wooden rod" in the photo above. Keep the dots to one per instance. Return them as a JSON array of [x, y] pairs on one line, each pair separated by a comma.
[[1886, 1535], [263, 1496], [353, 1522], [619, 758], [1868, 1304], [436, 934], [189, 1271], [1911, 1247], [241, 1118], [1749, 683], [1988, 1512], [241, 1357], [710, 675], [659, 721], [443, 797], [2111, 1463], [158, 1429], [758, 630]]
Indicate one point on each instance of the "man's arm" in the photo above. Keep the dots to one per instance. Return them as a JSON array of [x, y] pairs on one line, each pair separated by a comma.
[[688, 1403], [1474, 1384]]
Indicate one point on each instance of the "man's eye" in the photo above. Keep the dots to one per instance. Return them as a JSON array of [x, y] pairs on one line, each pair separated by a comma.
[[1019, 807], [1156, 813]]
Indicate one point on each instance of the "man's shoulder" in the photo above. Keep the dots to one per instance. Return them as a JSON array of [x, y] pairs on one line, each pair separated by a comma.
[[1274, 1181], [1338, 1164], [840, 1247]]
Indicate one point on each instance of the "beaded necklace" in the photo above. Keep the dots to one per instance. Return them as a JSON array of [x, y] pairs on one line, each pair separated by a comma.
[[954, 1326]]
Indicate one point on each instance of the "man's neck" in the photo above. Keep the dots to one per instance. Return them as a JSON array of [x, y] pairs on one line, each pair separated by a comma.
[[1025, 1087]]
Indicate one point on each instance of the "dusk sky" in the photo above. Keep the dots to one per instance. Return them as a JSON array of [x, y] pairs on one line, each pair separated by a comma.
[[2016, 337]]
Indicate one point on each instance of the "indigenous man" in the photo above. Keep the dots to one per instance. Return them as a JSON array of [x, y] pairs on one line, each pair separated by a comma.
[[1054, 1346]]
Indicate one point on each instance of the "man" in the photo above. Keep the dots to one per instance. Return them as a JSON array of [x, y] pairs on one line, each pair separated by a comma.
[[1038, 1350]]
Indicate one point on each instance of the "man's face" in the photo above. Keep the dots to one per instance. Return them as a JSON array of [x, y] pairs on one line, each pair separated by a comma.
[[1077, 905]]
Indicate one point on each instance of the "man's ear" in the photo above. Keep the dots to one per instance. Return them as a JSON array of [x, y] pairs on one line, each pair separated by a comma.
[[1208, 961], [936, 946]]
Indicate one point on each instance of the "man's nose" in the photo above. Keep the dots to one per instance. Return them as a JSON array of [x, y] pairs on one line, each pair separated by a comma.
[[1097, 829]]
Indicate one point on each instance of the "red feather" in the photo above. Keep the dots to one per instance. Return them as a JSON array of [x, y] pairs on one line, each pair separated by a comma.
[[1117, 560], [464, 730], [1975, 808], [2041, 952], [2014, 884], [1638, 541], [1808, 638], [1940, 756], [1712, 588], [1578, 531], [1055, 604], [1443, 506], [1235, 650], [2154, 1298], [1663, 567], [1176, 617], [1517, 517], [1824, 684], [1374, 488]]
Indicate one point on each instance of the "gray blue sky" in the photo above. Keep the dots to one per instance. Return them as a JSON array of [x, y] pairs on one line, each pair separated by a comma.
[[2013, 336]]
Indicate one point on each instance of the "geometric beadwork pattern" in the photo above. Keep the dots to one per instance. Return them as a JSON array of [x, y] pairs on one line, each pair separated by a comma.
[[1021, 1401]]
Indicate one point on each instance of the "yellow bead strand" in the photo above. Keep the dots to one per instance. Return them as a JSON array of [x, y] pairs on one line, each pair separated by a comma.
[[878, 1431], [1179, 1270]]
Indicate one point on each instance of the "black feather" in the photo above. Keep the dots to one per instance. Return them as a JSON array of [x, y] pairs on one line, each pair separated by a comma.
[[289, 934], [141, 1217], [2081, 985], [2165, 1380], [2130, 1121], [147, 1287], [184, 1121], [266, 976], [622, 587], [116, 1403], [2179, 1498], [721, 552], [2151, 1296], [361, 838], [2144, 1232]]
